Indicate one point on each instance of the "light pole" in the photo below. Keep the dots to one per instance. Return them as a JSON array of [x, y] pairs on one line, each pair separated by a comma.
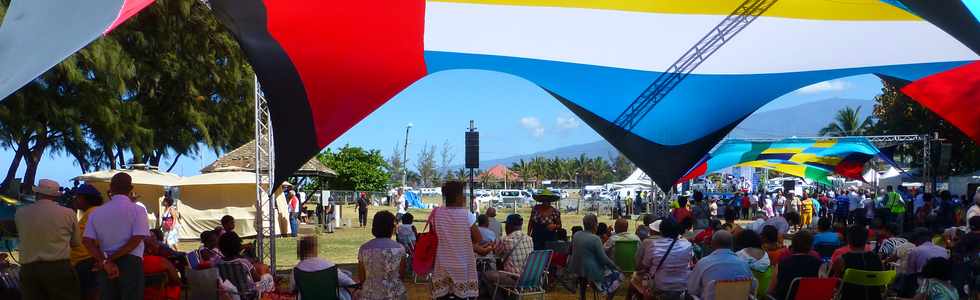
[[405, 156]]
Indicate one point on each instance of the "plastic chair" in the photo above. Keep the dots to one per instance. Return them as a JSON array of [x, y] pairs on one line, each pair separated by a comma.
[[868, 278], [624, 254], [202, 284], [812, 288], [736, 289], [529, 281], [318, 285]]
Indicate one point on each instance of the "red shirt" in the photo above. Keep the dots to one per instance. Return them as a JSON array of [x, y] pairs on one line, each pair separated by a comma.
[[157, 264], [680, 214]]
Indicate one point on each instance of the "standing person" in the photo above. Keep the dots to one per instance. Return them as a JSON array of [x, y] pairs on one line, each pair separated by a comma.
[[47, 233], [169, 219], [362, 209], [454, 275], [545, 220], [114, 237], [401, 204], [746, 204], [780, 204], [87, 198], [294, 208], [494, 224], [896, 206], [806, 211]]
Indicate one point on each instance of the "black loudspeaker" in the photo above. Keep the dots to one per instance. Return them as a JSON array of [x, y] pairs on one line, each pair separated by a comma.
[[472, 149]]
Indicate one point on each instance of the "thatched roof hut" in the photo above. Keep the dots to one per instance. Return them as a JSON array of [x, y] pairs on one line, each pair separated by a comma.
[[243, 159]]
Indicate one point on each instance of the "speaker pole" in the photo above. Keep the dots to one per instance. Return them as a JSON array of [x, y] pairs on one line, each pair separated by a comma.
[[472, 160]]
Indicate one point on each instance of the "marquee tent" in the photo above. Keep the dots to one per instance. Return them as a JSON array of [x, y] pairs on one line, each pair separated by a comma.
[[148, 185], [637, 179], [205, 198]]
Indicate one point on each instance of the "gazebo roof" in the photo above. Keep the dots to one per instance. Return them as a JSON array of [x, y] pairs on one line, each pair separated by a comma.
[[243, 159], [500, 173]]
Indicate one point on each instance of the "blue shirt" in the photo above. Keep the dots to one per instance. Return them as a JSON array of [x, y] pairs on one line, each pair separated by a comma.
[[826, 238], [722, 264]]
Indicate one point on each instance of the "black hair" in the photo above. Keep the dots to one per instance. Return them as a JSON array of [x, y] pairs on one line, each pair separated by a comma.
[[383, 224], [648, 219], [730, 213], [857, 236], [937, 268], [226, 219], [230, 244], [482, 220], [682, 201], [670, 228], [714, 224], [770, 234], [408, 218], [823, 224], [207, 234], [92, 200], [157, 234], [802, 242], [747, 239], [576, 229], [602, 229]]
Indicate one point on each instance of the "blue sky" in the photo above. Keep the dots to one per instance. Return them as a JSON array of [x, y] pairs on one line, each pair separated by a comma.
[[513, 116]]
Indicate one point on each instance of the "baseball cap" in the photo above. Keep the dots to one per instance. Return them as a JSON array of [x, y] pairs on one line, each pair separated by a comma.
[[515, 219]]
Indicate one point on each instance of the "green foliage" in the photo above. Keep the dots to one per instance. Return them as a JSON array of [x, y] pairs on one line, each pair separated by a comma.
[[578, 171], [847, 122], [899, 114], [357, 169], [164, 83]]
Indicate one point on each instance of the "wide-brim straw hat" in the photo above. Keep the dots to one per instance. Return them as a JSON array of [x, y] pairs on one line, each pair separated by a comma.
[[546, 196]]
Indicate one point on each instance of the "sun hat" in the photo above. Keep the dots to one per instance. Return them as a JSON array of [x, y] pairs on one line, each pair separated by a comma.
[[546, 196], [48, 187], [655, 226]]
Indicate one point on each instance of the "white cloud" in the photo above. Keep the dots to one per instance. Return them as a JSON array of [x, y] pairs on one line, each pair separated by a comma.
[[825, 86], [566, 122], [533, 125]]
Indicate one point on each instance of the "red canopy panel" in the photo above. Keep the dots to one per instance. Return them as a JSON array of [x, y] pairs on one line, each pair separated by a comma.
[[954, 95]]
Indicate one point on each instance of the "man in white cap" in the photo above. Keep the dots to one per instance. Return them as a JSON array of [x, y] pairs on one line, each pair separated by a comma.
[[47, 233]]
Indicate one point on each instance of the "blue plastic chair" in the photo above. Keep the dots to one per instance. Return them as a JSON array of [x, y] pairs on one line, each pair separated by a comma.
[[529, 282]]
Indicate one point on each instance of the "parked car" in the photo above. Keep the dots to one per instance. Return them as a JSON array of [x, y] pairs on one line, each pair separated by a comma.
[[511, 198]]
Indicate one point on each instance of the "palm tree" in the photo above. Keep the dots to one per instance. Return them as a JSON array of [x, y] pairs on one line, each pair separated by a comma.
[[847, 122]]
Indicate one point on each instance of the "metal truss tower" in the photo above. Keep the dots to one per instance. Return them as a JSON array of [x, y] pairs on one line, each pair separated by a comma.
[[265, 204], [741, 17]]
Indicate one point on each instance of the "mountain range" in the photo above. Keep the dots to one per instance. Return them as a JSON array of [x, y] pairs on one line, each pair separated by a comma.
[[801, 120]]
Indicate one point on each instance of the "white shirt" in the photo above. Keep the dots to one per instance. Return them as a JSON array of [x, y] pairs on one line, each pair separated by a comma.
[[676, 268], [854, 201], [753, 199], [115, 222], [973, 211]]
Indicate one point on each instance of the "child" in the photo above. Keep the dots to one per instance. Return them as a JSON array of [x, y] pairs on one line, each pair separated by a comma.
[[406, 233]]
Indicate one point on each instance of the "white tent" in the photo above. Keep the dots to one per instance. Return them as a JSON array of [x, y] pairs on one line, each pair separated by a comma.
[[148, 185], [205, 198], [636, 180]]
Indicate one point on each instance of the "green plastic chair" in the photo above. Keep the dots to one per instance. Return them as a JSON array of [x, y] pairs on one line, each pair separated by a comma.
[[319, 285], [868, 278], [624, 255]]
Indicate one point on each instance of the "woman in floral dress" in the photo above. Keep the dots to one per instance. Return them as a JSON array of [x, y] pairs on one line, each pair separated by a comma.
[[381, 261]]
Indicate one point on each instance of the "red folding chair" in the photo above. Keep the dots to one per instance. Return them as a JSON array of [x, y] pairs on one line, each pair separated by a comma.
[[813, 288]]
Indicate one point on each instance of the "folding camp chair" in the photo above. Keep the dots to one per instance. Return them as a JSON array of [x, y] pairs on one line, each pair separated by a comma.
[[812, 288], [737, 289], [240, 278], [319, 285], [868, 278], [201, 284], [529, 281]]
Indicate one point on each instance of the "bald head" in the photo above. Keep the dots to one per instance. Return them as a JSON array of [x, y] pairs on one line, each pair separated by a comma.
[[121, 183], [721, 240]]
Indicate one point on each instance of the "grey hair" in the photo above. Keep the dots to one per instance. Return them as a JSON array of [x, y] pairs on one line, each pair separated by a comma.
[[590, 222]]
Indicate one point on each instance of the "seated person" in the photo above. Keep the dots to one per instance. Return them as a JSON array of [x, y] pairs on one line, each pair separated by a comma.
[[668, 261], [207, 255], [156, 264], [232, 249], [935, 283], [825, 235], [799, 263], [749, 246], [309, 262], [381, 261], [622, 234], [483, 224], [589, 260], [722, 264], [514, 247], [406, 234], [858, 257]]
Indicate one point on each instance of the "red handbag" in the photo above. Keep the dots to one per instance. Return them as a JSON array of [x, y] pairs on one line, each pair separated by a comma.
[[425, 249]]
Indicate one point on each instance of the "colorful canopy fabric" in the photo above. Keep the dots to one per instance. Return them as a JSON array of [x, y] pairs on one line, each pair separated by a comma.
[[37, 34], [341, 60], [808, 158], [325, 65]]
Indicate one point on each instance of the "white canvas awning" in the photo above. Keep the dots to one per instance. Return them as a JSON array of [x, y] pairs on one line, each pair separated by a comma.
[[145, 177], [637, 179], [247, 178]]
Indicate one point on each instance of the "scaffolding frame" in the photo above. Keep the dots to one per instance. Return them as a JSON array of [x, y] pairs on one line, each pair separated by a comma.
[[265, 220]]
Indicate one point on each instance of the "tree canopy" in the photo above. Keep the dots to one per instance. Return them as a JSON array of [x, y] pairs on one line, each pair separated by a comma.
[[357, 169]]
